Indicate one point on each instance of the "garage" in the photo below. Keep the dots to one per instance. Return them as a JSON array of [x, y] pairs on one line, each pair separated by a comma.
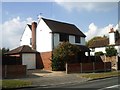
[[26, 55], [29, 59]]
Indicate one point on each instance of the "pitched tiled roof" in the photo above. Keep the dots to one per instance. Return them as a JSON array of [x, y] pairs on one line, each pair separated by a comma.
[[102, 43], [61, 27], [21, 49], [99, 43]]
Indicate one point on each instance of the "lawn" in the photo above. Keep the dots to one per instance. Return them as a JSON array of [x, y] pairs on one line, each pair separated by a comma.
[[99, 75], [15, 83]]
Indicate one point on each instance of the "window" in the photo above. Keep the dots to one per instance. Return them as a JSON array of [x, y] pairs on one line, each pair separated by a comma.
[[64, 37], [77, 39], [30, 41]]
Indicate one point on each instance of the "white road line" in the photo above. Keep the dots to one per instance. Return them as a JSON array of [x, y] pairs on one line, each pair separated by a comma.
[[114, 86]]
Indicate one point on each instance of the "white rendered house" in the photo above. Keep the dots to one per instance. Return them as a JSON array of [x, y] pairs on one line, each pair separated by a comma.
[[100, 45], [45, 35]]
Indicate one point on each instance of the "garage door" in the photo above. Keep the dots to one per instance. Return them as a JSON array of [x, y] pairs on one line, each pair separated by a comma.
[[29, 60]]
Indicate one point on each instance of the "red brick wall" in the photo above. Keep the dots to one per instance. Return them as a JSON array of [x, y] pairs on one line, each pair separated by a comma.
[[13, 71], [46, 59]]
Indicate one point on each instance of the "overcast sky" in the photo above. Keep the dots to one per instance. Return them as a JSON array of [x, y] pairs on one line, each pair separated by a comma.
[[92, 18]]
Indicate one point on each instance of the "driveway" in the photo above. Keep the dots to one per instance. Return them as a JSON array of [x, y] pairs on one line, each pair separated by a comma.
[[47, 78]]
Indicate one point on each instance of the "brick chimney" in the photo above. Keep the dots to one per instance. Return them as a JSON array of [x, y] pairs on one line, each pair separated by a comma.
[[34, 26], [111, 37]]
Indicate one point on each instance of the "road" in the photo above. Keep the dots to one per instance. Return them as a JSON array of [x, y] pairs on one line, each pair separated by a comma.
[[100, 84]]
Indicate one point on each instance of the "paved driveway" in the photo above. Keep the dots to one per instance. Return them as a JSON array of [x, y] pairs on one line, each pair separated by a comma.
[[46, 78]]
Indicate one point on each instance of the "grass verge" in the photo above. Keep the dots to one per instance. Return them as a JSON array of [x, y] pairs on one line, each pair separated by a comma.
[[15, 83], [100, 75]]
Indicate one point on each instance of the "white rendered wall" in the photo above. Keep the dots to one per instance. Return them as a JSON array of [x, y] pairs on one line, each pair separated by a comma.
[[43, 37], [25, 39], [92, 53], [118, 50], [112, 38]]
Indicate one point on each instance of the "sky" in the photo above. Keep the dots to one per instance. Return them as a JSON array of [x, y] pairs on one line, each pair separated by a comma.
[[92, 18]]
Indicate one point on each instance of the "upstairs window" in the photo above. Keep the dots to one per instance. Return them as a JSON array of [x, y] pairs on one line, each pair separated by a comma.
[[77, 39], [64, 37], [30, 41]]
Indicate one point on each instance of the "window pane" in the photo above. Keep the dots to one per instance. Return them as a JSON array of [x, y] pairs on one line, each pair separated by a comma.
[[64, 37], [77, 39]]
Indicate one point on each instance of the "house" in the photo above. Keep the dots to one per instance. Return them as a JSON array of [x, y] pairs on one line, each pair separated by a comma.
[[112, 40], [100, 45], [45, 35]]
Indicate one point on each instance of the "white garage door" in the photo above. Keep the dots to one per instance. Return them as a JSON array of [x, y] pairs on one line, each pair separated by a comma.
[[29, 60]]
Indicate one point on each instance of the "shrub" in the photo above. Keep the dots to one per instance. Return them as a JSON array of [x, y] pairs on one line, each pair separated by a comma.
[[110, 51], [62, 54]]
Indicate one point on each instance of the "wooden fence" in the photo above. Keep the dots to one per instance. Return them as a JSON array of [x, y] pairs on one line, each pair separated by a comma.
[[13, 71], [88, 67], [11, 60]]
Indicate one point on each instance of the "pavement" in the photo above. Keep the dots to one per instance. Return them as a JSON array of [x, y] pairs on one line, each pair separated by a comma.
[[42, 78]]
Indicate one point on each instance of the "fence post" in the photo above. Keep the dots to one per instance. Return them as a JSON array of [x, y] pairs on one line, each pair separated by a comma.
[[81, 67], [93, 66], [66, 68], [104, 66], [5, 71]]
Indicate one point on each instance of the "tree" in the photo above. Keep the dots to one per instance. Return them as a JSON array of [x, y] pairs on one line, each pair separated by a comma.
[[90, 42], [4, 50], [110, 51], [62, 54]]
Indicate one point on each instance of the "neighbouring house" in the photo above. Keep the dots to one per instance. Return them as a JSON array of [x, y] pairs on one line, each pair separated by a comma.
[[112, 40], [100, 45], [45, 35]]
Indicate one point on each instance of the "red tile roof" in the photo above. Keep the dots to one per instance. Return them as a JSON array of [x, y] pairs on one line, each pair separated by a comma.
[[102, 43], [21, 49]]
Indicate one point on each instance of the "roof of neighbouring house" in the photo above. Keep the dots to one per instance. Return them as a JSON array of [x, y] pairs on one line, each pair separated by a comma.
[[99, 43], [61, 27], [21, 49], [102, 43]]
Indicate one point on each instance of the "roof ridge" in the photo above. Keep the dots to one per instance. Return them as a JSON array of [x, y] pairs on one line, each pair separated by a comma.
[[58, 21]]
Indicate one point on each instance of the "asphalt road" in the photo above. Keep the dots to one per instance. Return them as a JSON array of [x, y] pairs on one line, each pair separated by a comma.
[[100, 84]]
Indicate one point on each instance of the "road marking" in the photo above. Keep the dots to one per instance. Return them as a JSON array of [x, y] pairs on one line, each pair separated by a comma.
[[114, 86]]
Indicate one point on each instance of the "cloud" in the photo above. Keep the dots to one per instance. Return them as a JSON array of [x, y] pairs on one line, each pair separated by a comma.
[[95, 31], [12, 31], [88, 6]]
